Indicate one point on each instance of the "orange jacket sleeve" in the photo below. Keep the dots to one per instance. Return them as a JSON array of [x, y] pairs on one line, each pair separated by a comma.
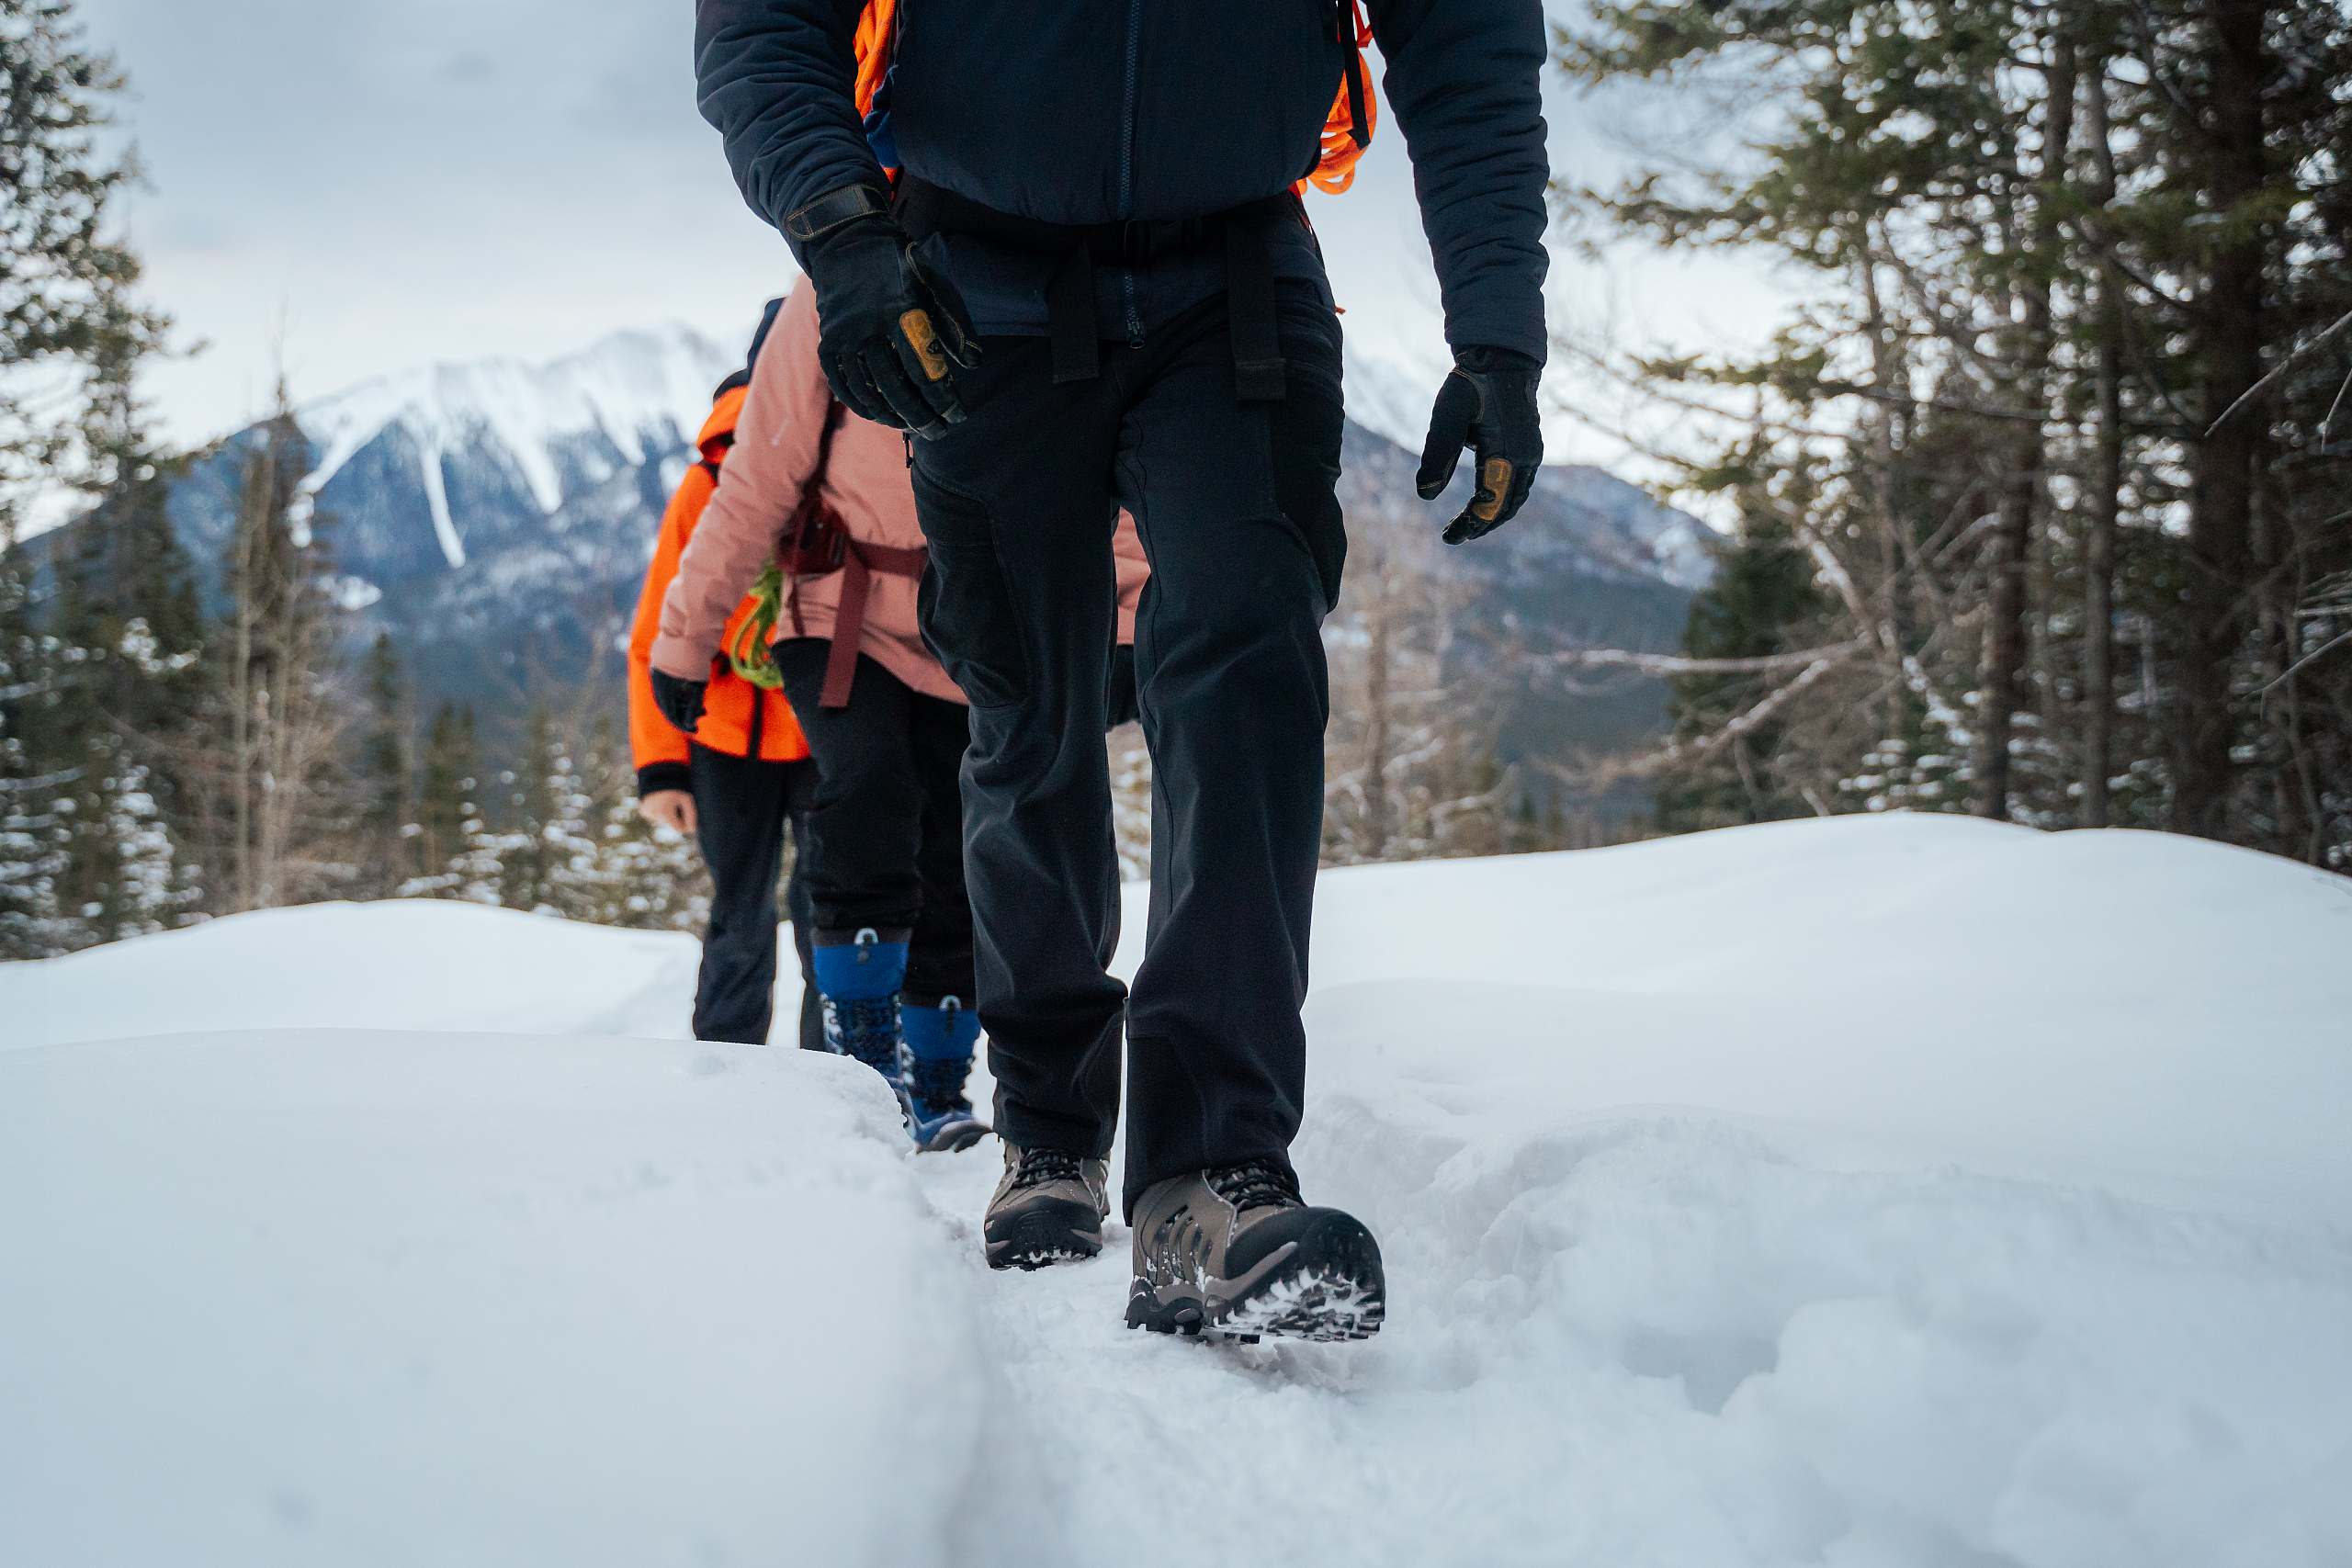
[[656, 744]]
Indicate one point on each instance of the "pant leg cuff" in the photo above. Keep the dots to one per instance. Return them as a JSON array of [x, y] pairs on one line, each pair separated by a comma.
[[1027, 1130]]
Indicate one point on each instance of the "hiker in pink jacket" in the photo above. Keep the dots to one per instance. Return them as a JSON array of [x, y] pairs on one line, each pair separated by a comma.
[[893, 942]]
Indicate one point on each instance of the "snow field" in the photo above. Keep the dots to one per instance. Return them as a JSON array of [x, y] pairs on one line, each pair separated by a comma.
[[1902, 1191], [358, 1298]]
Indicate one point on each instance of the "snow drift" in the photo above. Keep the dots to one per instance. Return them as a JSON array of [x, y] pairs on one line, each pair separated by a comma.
[[1908, 1191]]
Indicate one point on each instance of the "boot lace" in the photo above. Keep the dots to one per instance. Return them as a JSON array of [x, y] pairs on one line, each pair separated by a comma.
[[937, 1084], [868, 1030], [1255, 1184], [1039, 1167]]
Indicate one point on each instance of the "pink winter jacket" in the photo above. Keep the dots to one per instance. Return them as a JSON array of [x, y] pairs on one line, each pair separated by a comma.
[[773, 463]]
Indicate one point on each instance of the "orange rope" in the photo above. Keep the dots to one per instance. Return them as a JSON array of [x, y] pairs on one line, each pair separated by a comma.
[[1337, 170], [874, 51]]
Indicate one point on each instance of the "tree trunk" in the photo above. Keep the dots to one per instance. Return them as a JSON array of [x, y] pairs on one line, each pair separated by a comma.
[[240, 772], [2105, 498], [1880, 421], [2010, 549], [2221, 489], [1376, 705]]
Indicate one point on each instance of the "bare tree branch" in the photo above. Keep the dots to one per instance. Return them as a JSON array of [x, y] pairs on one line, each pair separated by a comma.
[[1676, 664]]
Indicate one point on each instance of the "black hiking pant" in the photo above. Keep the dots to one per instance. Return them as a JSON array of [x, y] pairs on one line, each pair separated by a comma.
[[887, 825], [741, 808], [1235, 507]]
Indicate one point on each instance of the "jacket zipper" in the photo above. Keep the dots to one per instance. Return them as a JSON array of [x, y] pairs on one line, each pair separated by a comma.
[[759, 722], [1127, 161]]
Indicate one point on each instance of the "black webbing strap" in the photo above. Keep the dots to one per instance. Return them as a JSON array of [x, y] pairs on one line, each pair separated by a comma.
[[1249, 314], [1357, 125], [842, 204], [1343, 23], [1069, 317], [925, 209]]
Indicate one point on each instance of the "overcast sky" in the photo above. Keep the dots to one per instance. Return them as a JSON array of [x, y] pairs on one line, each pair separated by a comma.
[[360, 186]]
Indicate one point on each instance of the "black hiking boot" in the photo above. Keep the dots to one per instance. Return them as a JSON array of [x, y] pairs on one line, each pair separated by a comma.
[[1236, 1252], [1048, 1208]]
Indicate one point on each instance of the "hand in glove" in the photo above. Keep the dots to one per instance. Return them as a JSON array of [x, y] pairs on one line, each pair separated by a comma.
[[679, 700], [889, 331], [1489, 403]]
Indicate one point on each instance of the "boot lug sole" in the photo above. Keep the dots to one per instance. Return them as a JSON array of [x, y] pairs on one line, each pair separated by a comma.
[[1334, 1294], [1039, 1239]]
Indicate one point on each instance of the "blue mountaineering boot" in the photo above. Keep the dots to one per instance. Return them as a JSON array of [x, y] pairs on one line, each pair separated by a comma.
[[938, 1059], [858, 976]]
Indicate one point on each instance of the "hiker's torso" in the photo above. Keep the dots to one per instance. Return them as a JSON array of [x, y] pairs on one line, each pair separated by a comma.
[[1088, 111], [862, 477], [1095, 111]]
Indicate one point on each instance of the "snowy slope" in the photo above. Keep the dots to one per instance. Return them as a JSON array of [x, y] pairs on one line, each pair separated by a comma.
[[1892, 1192]]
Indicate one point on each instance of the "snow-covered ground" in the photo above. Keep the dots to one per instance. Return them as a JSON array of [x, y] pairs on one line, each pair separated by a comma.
[[1895, 1191]]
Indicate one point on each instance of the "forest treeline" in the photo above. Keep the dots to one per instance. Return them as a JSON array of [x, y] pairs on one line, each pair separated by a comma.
[[2042, 496], [163, 758], [167, 756], [2043, 490]]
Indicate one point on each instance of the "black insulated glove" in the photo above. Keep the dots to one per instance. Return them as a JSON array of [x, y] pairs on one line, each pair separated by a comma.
[[679, 700], [889, 331], [1488, 403]]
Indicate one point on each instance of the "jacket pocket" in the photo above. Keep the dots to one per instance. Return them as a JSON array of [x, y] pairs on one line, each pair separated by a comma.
[[965, 603]]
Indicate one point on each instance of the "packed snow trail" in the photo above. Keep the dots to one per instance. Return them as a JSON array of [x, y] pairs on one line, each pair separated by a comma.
[[1907, 1191]]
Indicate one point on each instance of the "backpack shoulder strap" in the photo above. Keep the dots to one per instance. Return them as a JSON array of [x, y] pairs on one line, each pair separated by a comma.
[[834, 415]]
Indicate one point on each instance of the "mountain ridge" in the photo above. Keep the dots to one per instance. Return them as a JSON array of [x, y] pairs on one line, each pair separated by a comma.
[[494, 517]]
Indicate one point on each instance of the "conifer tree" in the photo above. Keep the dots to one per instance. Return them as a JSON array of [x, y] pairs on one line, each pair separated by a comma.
[[1761, 601], [126, 612], [528, 856], [2057, 422], [651, 878], [279, 800], [72, 335], [610, 871], [386, 848], [445, 803], [67, 283], [31, 845]]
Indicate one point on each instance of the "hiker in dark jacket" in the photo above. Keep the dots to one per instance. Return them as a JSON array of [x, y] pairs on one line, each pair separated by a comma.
[[1092, 284]]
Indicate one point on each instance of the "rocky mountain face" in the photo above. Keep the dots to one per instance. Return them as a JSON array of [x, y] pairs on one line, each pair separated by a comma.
[[495, 519]]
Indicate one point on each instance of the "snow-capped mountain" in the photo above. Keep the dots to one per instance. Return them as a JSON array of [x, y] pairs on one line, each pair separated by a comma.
[[630, 400], [494, 518]]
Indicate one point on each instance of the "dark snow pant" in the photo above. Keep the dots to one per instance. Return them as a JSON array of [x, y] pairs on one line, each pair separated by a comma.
[[887, 824], [742, 807], [1235, 507]]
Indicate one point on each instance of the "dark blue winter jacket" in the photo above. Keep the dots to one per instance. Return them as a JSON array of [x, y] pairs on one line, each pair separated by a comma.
[[1091, 111]]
